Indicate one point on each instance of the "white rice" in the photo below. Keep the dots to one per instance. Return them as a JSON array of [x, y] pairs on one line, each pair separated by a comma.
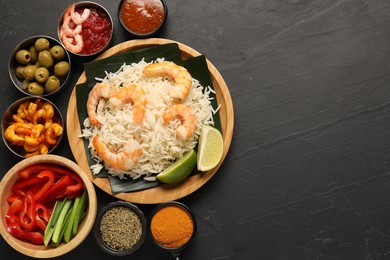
[[160, 146]]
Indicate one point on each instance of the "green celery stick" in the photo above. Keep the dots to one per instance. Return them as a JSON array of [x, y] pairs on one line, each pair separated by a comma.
[[59, 225], [62, 232], [68, 230], [52, 221], [79, 213]]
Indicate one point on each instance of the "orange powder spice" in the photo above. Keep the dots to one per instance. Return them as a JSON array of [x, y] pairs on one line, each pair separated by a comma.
[[171, 226]]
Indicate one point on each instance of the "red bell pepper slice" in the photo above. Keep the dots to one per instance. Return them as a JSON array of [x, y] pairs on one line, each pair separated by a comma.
[[13, 227], [25, 183], [16, 207], [46, 186], [72, 189], [57, 190], [28, 215], [42, 212]]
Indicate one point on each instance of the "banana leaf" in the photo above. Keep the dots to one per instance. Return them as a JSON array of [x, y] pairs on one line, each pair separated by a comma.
[[197, 66]]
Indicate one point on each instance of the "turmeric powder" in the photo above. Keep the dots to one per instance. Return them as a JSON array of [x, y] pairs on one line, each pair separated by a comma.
[[172, 226]]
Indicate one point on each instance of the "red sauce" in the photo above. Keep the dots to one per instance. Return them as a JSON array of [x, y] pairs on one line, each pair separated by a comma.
[[96, 31], [142, 16]]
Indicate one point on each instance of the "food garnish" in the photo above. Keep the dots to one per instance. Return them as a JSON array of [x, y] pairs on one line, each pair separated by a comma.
[[210, 148]]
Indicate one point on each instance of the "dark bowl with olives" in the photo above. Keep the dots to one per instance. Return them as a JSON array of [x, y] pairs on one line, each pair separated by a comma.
[[39, 66], [86, 29], [32, 126]]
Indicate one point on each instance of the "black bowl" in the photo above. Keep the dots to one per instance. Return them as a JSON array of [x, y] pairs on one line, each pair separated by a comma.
[[174, 251], [98, 7], [8, 118], [103, 245], [26, 44], [144, 34]]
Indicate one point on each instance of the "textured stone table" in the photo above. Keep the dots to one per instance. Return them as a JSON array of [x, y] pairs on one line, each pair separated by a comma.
[[307, 174]]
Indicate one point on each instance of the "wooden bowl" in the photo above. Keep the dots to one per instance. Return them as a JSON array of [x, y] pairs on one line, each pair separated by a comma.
[[166, 192], [41, 251]]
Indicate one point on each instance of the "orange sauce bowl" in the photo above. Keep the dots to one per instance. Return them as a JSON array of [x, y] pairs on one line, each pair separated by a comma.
[[142, 18]]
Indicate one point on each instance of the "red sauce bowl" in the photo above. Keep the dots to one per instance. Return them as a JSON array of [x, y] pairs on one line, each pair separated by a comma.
[[142, 18], [95, 32]]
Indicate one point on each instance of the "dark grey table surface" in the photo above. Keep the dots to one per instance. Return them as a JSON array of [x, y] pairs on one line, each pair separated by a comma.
[[307, 173]]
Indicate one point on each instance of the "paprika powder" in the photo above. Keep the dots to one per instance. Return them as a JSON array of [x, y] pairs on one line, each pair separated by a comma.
[[172, 226]]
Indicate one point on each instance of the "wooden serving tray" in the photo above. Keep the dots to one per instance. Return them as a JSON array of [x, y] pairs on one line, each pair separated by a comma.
[[166, 192]]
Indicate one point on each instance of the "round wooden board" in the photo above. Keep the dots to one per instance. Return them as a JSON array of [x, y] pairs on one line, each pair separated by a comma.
[[166, 192]]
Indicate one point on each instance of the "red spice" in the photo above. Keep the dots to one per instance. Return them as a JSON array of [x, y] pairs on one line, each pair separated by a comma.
[[96, 31], [142, 16]]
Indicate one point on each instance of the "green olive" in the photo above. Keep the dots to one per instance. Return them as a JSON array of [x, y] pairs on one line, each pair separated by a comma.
[[23, 56], [19, 72], [42, 44], [61, 69], [34, 54], [45, 59], [35, 89], [57, 52], [41, 74], [25, 84], [29, 72], [52, 84]]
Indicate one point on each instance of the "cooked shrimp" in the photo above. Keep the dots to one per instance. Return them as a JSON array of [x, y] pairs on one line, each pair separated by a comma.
[[187, 117], [69, 26], [182, 78], [133, 94], [53, 133], [121, 161], [99, 91], [74, 44], [76, 17], [11, 133], [49, 113]]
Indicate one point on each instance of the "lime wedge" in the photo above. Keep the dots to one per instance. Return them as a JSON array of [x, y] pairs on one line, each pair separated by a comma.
[[210, 148], [179, 170]]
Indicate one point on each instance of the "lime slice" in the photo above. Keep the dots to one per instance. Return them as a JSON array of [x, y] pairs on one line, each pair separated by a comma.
[[210, 148], [179, 170]]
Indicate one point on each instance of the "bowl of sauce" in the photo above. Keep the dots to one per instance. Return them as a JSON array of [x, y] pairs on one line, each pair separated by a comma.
[[85, 28], [142, 18]]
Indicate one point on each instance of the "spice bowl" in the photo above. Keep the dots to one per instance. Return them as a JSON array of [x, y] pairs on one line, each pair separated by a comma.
[[120, 228], [25, 245], [39, 66], [32, 126], [85, 29], [172, 226], [142, 18]]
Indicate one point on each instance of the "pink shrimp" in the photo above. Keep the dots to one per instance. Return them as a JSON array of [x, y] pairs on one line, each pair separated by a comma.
[[74, 44], [187, 117], [99, 91], [69, 27], [133, 94], [182, 78], [121, 161], [76, 17]]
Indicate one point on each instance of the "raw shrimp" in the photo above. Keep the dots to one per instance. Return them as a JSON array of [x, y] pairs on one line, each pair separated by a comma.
[[182, 78], [187, 117], [121, 161], [99, 91], [133, 94], [76, 17]]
